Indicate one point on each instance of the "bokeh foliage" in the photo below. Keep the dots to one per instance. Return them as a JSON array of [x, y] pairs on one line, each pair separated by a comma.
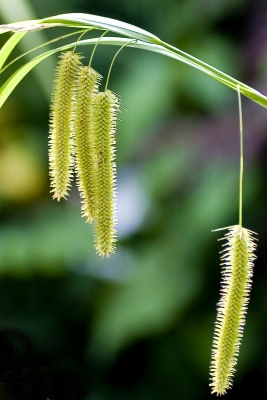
[[138, 325]]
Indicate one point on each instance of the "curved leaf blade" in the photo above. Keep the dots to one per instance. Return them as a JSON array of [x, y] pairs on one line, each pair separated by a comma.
[[10, 84], [9, 46], [82, 20], [113, 25], [215, 73], [172, 52]]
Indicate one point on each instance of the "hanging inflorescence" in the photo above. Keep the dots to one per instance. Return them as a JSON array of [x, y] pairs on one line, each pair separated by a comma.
[[237, 261], [61, 138], [82, 139]]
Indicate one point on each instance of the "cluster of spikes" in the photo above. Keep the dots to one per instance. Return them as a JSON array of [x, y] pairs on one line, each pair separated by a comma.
[[82, 140], [237, 262]]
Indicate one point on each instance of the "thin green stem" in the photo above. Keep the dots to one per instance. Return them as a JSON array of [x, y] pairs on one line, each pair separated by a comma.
[[79, 38], [241, 156], [95, 46], [112, 62]]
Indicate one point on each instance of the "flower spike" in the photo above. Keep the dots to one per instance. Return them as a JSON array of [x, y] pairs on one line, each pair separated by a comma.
[[104, 121], [61, 116], [237, 260], [86, 87]]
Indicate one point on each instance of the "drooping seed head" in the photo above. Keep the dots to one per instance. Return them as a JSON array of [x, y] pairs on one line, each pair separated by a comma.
[[237, 261], [61, 116], [104, 120], [86, 87]]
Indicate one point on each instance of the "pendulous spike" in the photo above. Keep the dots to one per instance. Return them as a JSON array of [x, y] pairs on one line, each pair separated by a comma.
[[104, 120], [61, 117], [238, 259], [86, 87]]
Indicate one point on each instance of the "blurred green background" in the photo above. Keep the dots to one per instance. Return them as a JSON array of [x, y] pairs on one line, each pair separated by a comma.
[[139, 325]]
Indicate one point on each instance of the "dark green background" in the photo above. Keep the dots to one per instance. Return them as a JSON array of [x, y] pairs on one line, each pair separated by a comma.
[[139, 325]]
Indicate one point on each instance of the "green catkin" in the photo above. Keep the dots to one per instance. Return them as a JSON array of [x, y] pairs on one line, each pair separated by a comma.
[[104, 119], [86, 87], [237, 260], [61, 116]]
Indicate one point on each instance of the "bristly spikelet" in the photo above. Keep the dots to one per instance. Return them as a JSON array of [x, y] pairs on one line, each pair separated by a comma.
[[237, 260], [60, 143], [86, 87], [106, 106]]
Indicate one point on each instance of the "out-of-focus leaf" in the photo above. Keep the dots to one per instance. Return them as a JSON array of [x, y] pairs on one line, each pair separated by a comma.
[[54, 242], [147, 93], [21, 174], [146, 304]]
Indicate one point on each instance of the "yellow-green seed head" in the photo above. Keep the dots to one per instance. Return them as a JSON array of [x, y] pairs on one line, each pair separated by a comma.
[[237, 261], [104, 119], [86, 87], [60, 143]]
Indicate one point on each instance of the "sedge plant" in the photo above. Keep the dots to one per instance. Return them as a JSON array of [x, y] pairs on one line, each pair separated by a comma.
[[82, 139]]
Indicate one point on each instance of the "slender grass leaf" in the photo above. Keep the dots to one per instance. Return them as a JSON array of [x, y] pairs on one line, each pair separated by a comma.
[[216, 74], [113, 25], [165, 50], [10, 84], [9, 46], [83, 21], [148, 42]]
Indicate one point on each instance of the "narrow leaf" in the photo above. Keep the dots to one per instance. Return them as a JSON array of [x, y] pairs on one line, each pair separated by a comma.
[[9, 46], [145, 40], [164, 49], [113, 25]]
